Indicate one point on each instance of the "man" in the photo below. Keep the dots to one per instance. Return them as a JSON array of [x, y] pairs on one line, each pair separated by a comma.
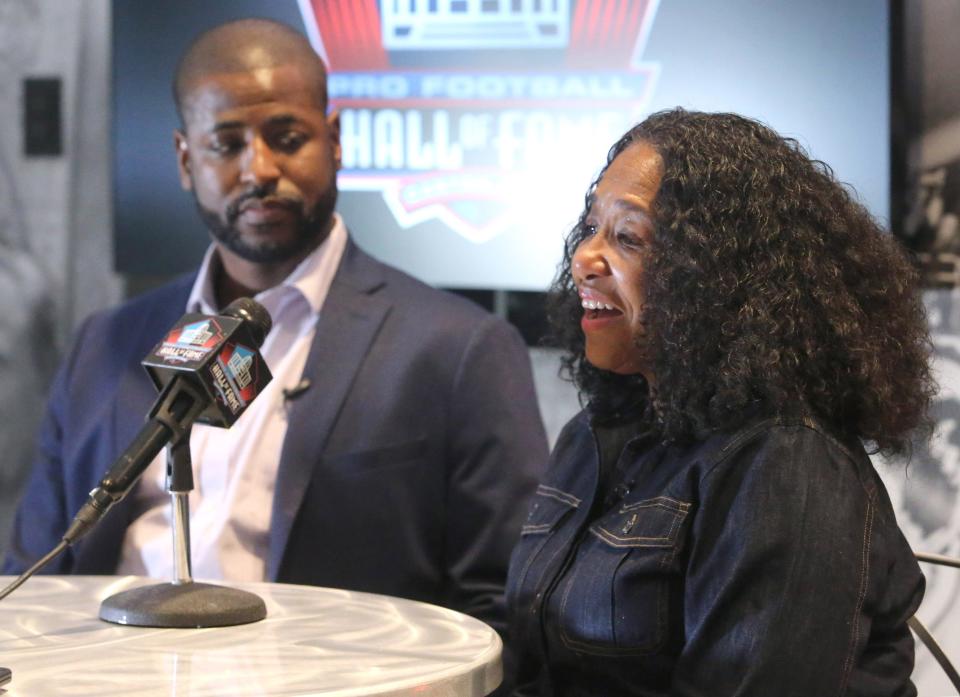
[[395, 447]]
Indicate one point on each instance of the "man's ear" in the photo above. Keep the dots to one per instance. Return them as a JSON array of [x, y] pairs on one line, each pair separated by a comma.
[[333, 124], [183, 159]]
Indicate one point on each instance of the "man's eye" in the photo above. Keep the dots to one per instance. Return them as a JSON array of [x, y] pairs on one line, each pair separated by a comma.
[[225, 147], [290, 141]]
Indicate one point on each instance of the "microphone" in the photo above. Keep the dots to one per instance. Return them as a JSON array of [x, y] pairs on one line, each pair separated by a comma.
[[207, 370]]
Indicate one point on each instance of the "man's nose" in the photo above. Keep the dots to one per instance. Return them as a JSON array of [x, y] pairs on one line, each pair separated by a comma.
[[260, 165], [589, 259]]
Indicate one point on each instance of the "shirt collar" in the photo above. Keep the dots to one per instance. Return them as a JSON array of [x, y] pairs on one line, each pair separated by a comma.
[[311, 278]]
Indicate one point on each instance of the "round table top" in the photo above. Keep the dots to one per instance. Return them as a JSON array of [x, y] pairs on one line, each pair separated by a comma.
[[314, 641]]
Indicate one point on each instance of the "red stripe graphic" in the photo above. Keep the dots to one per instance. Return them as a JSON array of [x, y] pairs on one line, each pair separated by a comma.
[[637, 16], [350, 31], [604, 32], [607, 29]]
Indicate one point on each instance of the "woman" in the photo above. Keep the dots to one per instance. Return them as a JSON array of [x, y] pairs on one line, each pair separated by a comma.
[[741, 330]]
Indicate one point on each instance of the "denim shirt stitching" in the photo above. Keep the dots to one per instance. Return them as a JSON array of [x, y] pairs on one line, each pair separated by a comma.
[[545, 529], [559, 495], [711, 455], [667, 556], [740, 439], [535, 529], [861, 596], [732, 447], [662, 501], [679, 514], [805, 422], [631, 542], [594, 649]]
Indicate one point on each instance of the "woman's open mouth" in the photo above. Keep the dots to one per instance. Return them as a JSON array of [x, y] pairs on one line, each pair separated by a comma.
[[595, 309]]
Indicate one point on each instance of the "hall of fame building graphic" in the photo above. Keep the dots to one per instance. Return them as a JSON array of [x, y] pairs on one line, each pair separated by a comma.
[[449, 108]]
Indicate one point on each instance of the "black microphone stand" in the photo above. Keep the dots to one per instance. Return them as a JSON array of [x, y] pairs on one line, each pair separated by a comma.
[[183, 602]]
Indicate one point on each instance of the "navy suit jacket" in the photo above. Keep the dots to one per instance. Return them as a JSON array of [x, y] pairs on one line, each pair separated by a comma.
[[406, 465]]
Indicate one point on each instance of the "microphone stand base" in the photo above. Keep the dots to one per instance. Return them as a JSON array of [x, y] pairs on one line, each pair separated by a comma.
[[184, 605]]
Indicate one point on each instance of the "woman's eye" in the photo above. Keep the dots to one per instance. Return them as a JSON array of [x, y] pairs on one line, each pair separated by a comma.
[[589, 230], [629, 239]]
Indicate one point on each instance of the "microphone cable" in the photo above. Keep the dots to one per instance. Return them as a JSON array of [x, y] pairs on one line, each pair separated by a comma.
[[46, 559], [180, 403]]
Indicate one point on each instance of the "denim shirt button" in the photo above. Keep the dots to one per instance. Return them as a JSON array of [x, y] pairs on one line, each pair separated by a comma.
[[628, 526]]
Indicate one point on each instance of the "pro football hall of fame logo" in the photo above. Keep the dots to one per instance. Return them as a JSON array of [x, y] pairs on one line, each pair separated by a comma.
[[449, 108]]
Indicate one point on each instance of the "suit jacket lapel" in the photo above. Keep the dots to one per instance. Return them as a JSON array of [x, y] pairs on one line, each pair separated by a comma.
[[349, 321]]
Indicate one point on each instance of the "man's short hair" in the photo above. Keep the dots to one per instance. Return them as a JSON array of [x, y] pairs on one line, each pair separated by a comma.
[[242, 46]]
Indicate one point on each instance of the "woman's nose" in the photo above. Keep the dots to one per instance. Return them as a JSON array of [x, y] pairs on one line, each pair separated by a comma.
[[589, 260]]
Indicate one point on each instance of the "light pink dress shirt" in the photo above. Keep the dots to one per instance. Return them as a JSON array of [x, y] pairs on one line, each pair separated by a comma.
[[235, 469]]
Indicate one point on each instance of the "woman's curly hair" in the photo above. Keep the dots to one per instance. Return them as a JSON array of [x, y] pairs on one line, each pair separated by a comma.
[[767, 286]]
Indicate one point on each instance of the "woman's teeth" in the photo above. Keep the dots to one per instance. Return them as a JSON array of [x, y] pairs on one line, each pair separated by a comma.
[[595, 305]]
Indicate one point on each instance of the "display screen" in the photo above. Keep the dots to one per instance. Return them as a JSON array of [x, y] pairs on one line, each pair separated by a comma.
[[471, 129]]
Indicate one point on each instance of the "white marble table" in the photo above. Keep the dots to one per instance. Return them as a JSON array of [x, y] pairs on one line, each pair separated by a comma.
[[314, 641]]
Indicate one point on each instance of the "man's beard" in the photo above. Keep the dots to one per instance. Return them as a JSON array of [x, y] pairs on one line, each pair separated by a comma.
[[311, 227]]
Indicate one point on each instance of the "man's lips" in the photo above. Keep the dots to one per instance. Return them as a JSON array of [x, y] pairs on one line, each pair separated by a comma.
[[268, 202], [268, 209]]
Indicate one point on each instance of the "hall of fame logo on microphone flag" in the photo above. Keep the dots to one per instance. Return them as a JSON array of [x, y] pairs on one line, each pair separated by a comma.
[[190, 342]]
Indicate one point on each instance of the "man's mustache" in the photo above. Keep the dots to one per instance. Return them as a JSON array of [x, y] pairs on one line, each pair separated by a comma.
[[261, 194]]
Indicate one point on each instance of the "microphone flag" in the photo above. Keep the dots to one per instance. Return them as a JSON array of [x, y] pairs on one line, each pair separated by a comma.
[[219, 354]]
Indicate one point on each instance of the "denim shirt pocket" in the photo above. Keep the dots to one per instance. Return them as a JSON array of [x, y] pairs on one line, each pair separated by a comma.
[[615, 597], [548, 508]]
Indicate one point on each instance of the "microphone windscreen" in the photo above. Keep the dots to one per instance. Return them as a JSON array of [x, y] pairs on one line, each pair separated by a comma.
[[253, 312]]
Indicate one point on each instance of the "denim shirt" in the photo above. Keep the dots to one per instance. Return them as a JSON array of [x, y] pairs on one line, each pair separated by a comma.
[[765, 562]]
